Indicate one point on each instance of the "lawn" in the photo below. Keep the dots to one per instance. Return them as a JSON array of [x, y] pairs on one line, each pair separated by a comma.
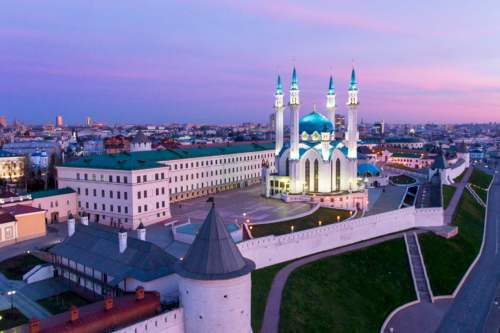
[[447, 260], [60, 303], [482, 193], [448, 192], [14, 268], [402, 180], [261, 283], [325, 215], [480, 178], [11, 319], [351, 292]]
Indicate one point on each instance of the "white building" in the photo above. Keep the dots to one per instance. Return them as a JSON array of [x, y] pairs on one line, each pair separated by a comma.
[[314, 162], [129, 188]]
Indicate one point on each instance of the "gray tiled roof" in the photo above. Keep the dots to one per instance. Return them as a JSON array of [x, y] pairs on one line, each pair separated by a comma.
[[97, 246], [213, 254]]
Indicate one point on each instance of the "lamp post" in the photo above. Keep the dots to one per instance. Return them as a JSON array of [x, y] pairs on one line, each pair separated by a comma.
[[11, 293]]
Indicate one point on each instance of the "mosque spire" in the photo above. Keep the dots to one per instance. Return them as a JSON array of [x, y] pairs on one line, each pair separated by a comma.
[[295, 84], [279, 86], [353, 85], [331, 87]]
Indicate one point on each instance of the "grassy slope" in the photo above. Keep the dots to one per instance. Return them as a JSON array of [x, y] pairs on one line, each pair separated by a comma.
[[261, 283], [325, 215], [352, 292], [447, 260], [480, 178], [448, 192]]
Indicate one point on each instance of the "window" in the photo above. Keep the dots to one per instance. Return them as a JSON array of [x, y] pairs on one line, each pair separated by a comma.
[[157, 191], [103, 194], [118, 179], [156, 176], [139, 195], [94, 192], [110, 178], [118, 194], [144, 178], [78, 176], [86, 191], [139, 208], [138, 179], [125, 179], [111, 194], [78, 190], [145, 194], [103, 207], [126, 209], [145, 208], [125, 195], [86, 177]]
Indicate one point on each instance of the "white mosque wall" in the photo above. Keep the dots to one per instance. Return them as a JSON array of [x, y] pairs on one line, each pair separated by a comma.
[[166, 322], [270, 250]]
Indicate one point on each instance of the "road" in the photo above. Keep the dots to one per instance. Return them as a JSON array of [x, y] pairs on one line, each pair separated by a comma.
[[474, 308]]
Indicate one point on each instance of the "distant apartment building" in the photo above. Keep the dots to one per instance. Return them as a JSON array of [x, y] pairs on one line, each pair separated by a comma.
[[127, 189], [411, 160], [404, 142]]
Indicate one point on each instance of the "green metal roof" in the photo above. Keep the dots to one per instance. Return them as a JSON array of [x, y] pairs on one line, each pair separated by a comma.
[[150, 159], [49, 193]]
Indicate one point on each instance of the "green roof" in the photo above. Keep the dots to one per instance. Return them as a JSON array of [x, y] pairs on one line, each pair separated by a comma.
[[49, 193], [407, 155], [4, 153], [150, 159]]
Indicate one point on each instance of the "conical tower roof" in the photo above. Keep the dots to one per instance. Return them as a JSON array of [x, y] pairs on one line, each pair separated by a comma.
[[213, 254]]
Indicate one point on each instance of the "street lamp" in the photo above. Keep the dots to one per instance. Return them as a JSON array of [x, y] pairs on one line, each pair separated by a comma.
[[292, 227], [11, 293]]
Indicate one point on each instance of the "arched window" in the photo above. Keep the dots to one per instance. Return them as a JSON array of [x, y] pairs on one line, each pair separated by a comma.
[[337, 174], [287, 166], [316, 175], [308, 174]]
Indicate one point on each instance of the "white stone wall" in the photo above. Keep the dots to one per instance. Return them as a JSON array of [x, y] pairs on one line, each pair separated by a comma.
[[216, 306], [270, 250], [167, 286], [167, 322]]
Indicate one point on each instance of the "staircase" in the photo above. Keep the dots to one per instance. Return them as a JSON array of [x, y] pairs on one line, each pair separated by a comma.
[[417, 268]]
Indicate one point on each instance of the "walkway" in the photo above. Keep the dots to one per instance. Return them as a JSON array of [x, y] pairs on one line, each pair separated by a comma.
[[270, 323], [474, 308], [28, 307], [448, 213], [418, 269]]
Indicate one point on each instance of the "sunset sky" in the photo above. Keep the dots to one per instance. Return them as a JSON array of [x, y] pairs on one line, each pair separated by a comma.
[[217, 61]]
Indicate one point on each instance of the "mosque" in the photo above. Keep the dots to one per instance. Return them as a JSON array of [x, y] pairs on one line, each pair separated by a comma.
[[314, 165]]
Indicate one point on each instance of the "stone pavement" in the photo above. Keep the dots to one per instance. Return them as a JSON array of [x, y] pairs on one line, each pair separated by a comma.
[[28, 307], [270, 323], [448, 213]]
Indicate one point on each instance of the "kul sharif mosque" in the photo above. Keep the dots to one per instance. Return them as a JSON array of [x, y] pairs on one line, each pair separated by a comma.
[[313, 163]]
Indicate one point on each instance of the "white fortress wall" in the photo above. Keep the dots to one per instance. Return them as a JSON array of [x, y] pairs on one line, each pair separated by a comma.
[[270, 250], [167, 322]]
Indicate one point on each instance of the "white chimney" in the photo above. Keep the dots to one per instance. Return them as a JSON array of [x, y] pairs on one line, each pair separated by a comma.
[[71, 226], [122, 239], [141, 232], [85, 220]]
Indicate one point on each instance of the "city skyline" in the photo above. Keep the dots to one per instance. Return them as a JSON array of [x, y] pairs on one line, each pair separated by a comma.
[[217, 62]]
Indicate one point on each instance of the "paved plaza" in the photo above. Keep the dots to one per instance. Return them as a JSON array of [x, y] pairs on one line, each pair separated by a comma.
[[232, 205]]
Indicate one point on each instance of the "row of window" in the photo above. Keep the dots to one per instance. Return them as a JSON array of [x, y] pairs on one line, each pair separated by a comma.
[[103, 193], [216, 172], [221, 161], [212, 183], [93, 177]]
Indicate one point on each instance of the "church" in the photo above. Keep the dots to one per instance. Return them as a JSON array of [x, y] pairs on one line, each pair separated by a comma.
[[313, 164]]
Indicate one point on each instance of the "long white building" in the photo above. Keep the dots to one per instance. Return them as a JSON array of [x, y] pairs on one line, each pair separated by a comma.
[[129, 188]]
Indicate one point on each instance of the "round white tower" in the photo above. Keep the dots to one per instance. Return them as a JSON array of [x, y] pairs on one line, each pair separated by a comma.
[[215, 283]]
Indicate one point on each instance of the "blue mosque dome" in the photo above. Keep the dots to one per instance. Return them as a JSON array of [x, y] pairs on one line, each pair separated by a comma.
[[315, 122]]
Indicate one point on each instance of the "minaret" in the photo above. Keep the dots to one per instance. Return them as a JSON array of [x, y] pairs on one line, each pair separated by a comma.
[[325, 143], [352, 126], [330, 102], [295, 108], [278, 107]]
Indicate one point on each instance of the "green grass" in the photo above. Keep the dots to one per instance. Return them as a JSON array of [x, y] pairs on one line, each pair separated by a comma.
[[447, 260], [448, 192], [402, 179], [11, 319], [261, 283], [461, 176], [60, 303], [352, 292], [325, 215], [480, 178], [482, 193], [14, 268]]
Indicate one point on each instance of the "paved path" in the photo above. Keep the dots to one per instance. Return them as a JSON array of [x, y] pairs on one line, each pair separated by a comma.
[[474, 305], [28, 307], [448, 213], [270, 323]]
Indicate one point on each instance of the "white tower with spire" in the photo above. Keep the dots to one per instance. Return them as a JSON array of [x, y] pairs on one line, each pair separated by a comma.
[[295, 110], [278, 107], [352, 135], [330, 102]]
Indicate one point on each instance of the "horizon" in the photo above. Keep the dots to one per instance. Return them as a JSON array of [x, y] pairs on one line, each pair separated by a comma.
[[217, 62]]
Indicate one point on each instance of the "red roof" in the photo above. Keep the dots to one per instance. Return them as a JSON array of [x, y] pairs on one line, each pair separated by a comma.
[[20, 209]]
